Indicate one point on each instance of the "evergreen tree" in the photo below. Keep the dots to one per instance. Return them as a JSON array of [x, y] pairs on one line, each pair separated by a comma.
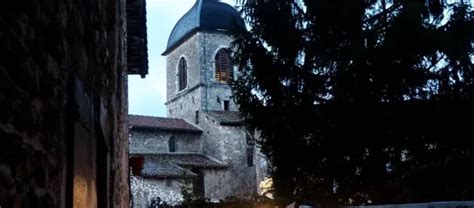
[[361, 101]]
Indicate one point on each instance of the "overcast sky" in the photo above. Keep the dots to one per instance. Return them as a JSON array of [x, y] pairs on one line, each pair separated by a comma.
[[147, 96]]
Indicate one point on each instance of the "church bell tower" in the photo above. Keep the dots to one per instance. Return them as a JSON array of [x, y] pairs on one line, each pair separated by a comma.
[[198, 60]]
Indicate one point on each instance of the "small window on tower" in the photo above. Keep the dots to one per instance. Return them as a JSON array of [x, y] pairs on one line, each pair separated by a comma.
[[172, 144], [196, 114], [249, 156], [226, 105]]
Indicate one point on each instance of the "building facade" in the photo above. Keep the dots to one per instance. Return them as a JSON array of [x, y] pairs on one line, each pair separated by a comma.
[[203, 141], [63, 92]]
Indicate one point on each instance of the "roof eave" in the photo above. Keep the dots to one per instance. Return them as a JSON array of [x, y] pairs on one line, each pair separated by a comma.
[[231, 123], [165, 129], [217, 167], [190, 34], [137, 46], [164, 177]]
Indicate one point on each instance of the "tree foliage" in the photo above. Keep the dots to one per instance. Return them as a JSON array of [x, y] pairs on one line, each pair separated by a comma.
[[361, 101]]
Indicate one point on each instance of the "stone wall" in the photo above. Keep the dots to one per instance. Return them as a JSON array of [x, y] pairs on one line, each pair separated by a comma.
[[186, 104], [228, 144], [152, 141], [63, 90], [216, 184], [216, 94], [211, 43], [147, 189]]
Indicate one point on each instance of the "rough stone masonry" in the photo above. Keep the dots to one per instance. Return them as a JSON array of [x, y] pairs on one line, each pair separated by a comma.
[[63, 100]]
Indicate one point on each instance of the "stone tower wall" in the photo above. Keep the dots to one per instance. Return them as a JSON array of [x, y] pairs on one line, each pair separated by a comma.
[[216, 93], [184, 104]]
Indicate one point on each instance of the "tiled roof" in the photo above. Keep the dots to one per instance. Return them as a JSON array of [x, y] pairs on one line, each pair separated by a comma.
[[160, 169], [169, 165], [165, 124], [225, 118], [192, 160]]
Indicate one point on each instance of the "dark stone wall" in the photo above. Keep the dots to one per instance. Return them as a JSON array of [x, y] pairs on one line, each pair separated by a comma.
[[63, 90]]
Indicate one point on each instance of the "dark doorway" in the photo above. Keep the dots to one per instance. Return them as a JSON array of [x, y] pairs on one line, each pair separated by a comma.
[[136, 163], [226, 105], [198, 185], [103, 174]]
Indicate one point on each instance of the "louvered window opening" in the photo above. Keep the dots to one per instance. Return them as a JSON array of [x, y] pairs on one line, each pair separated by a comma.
[[224, 67], [182, 74]]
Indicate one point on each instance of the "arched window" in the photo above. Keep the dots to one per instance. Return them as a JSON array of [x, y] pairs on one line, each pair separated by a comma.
[[224, 68], [182, 74], [172, 144]]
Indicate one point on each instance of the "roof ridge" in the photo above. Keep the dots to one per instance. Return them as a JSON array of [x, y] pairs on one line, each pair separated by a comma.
[[200, 2], [182, 169], [193, 124], [167, 153], [142, 115], [163, 123], [148, 116], [179, 153], [214, 159]]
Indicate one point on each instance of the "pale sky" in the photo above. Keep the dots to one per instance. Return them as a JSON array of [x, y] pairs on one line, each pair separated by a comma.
[[147, 96]]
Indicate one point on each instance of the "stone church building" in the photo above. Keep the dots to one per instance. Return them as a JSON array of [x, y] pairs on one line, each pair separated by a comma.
[[202, 143]]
